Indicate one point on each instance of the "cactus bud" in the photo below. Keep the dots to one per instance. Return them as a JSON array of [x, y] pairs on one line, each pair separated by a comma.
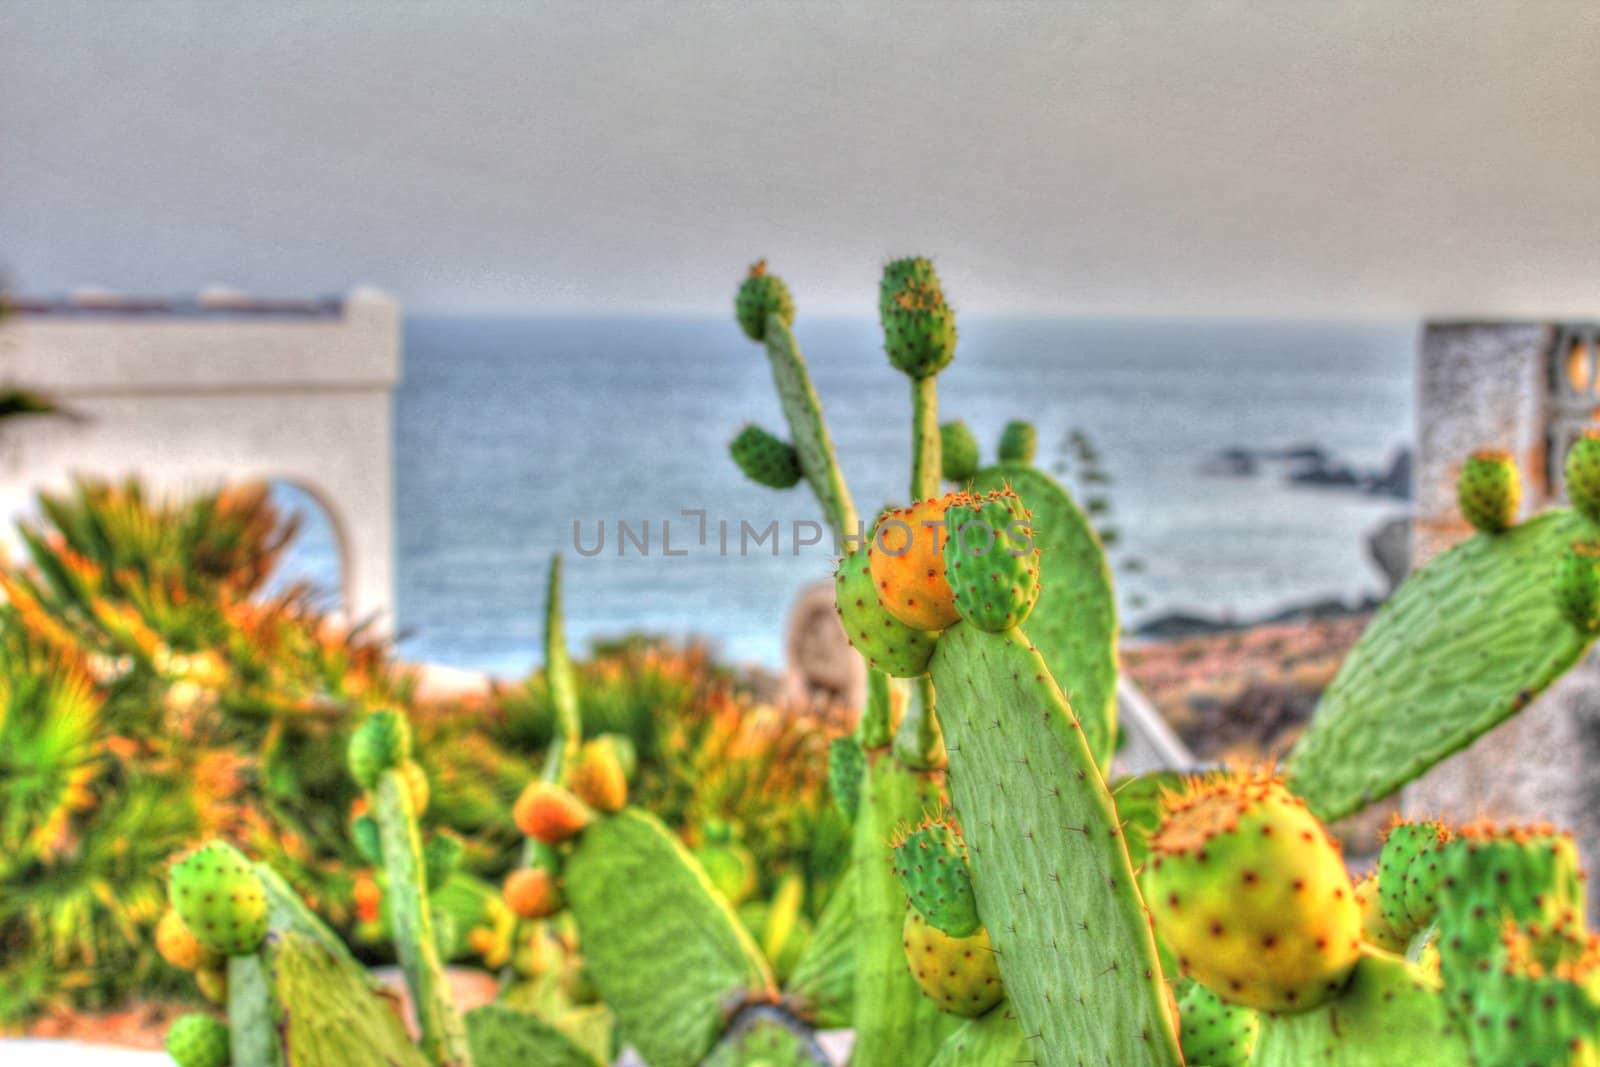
[[762, 294], [1583, 473], [383, 741], [1489, 490], [1017, 442], [1578, 585], [958, 451]]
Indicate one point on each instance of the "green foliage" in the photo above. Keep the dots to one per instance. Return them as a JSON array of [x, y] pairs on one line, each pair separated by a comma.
[[1464, 643]]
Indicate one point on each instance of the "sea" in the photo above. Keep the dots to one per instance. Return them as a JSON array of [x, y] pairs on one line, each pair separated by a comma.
[[516, 438]]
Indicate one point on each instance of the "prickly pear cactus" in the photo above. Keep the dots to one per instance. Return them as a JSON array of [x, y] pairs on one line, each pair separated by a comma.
[[994, 1039], [761, 296], [1578, 585], [1464, 643], [198, 1041], [325, 1011], [1408, 875], [766, 1036], [1054, 883], [1489, 490], [907, 563], [959, 974], [991, 560], [846, 766], [1390, 1015], [219, 898], [1074, 625], [822, 983], [919, 329], [886, 643], [1538, 1003], [931, 863], [665, 951], [1252, 895], [1017, 442], [765, 459], [504, 1037], [958, 450], [1215, 1033]]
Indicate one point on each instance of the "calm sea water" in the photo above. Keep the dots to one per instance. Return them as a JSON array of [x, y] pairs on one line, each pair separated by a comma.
[[509, 429]]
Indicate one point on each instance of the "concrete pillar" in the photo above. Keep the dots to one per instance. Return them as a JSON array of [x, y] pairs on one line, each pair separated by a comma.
[[1486, 385]]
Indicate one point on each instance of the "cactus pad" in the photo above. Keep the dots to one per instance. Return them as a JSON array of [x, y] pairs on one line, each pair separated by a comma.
[[847, 763], [1017, 442], [1489, 490], [1215, 1033], [1375, 929], [885, 642], [761, 295], [1578, 585], [960, 974], [765, 459], [993, 1039], [325, 1011], [381, 742], [505, 1037], [220, 899], [958, 451], [1074, 626], [1583, 474], [1054, 883], [991, 561], [906, 559], [665, 952], [198, 1041], [1467, 641], [1408, 878], [550, 813], [441, 856], [766, 1036], [931, 863], [1540, 1002], [1251, 894]]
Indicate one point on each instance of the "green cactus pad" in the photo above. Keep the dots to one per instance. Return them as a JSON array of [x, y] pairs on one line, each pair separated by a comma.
[[383, 741], [894, 1022], [931, 863], [364, 832], [1583, 474], [765, 459], [991, 561], [1018, 442], [326, 1011], [994, 1039], [252, 1026], [919, 328], [665, 951], [1463, 644], [885, 642], [847, 763], [760, 296], [219, 897], [198, 1041], [1054, 883], [1578, 585], [1489, 490], [958, 450], [1537, 1011], [1213, 1033], [1390, 1015], [822, 982], [440, 858], [505, 1037], [765, 1036], [1074, 625]]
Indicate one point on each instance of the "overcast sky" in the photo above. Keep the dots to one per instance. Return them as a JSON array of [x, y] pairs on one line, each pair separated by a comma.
[[1370, 159]]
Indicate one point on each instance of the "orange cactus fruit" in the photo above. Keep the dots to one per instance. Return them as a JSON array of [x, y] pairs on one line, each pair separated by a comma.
[[598, 778], [179, 947], [531, 893], [547, 812], [906, 559]]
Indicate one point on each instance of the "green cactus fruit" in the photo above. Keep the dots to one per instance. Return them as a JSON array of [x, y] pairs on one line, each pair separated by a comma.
[[761, 295], [1018, 442], [440, 858], [883, 640], [958, 451], [1491, 874], [1583, 474], [847, 764], [199, 1041], [1539, 1004], [1578, 585], [1489, 490], [383, 741], [1408, 875], [931, 862], [1215, 1033], [1251, 894], [919, 328], [991, 560], [220, 899], [959, 974], [364, 831], [765, 459], [1375, 929]]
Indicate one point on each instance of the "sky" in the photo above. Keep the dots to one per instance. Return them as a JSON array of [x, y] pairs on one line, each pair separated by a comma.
[[1319, 159]]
